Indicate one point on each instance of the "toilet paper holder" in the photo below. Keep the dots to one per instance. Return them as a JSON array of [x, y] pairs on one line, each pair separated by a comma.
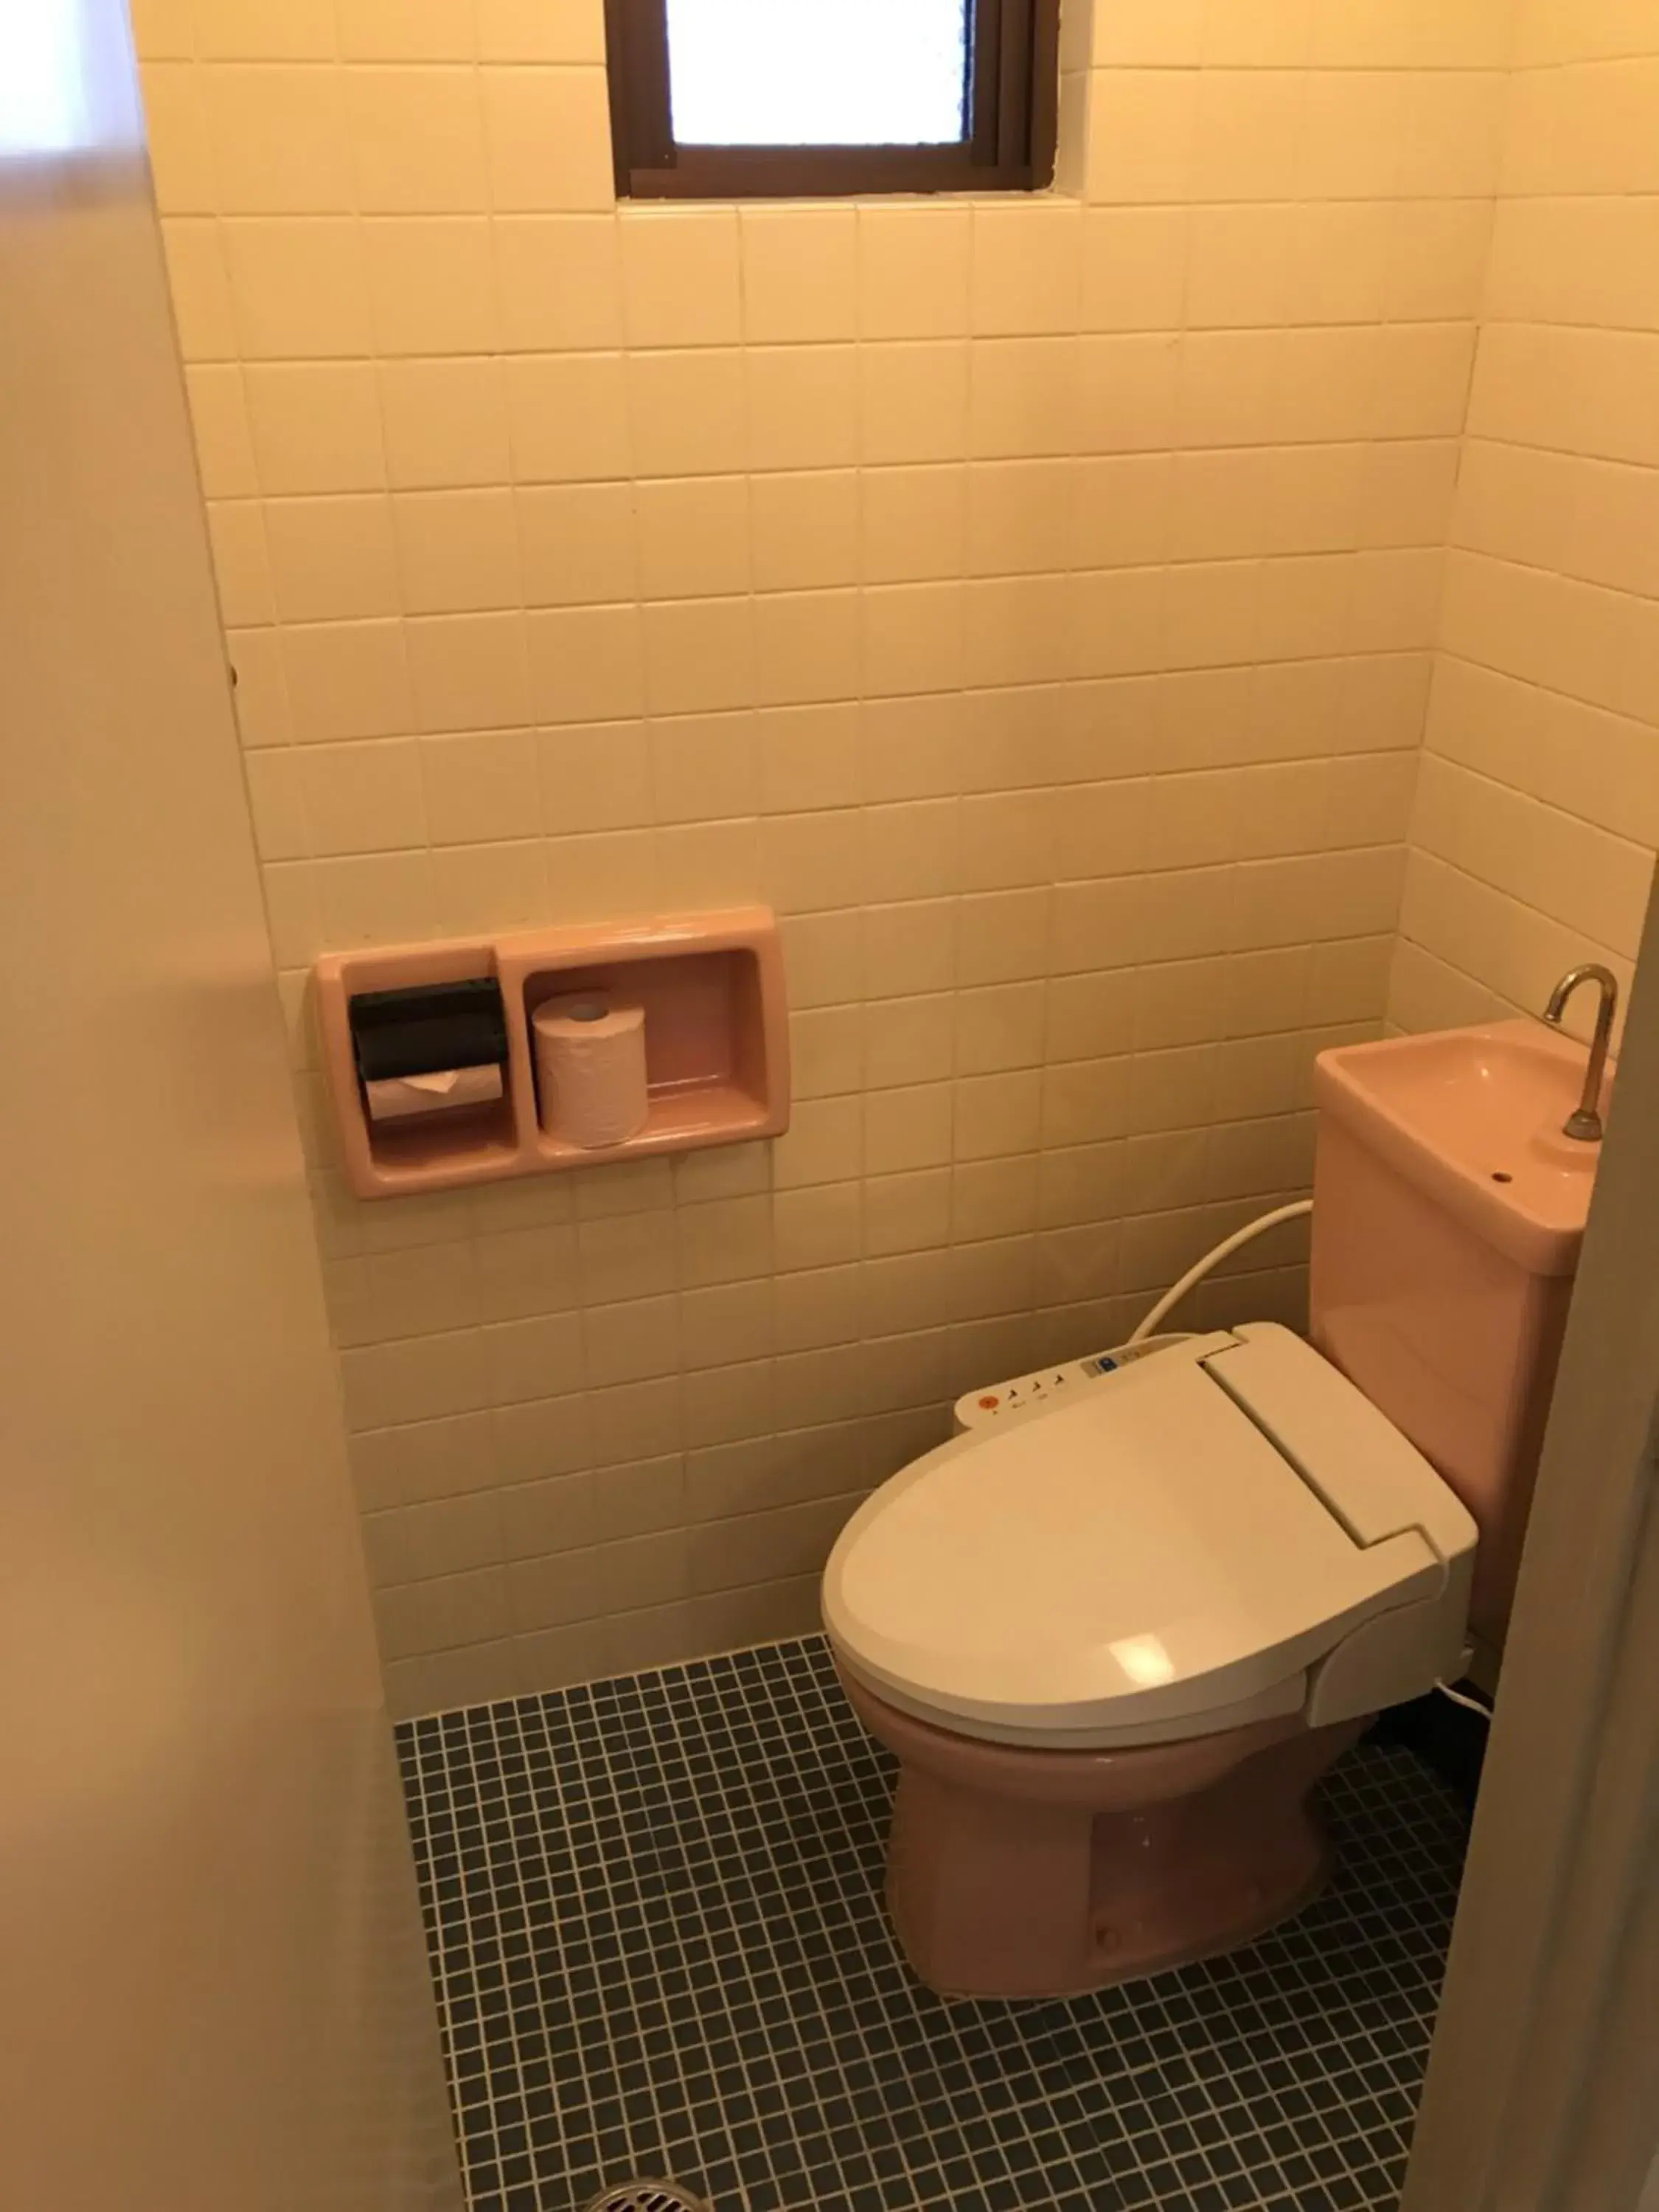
[[425, 1028], [427, 1050], [716, 1023]]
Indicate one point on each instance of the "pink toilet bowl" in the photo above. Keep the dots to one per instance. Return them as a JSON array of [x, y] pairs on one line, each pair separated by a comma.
[[1023, 1873], [1115, 1642]]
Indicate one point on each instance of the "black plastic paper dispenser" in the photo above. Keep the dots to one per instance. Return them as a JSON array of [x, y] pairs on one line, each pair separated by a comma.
[[427, 1028]]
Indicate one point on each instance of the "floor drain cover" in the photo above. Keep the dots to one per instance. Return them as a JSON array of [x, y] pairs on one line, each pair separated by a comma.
[[647, 2197]]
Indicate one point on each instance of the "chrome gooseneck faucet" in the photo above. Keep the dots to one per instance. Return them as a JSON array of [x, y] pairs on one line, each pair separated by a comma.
[[1585, 1120]]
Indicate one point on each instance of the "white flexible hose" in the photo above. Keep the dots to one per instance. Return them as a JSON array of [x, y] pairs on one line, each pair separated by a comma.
[[1225, 1251], [1469, 1705]]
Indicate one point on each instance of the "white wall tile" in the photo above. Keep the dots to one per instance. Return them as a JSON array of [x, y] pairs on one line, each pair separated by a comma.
[[681, 283], [577, 544], [431, 284], [332, 558], [800, 274], [560, 282], [548, 139], [281, 137], [458, 551], [298, 287], [568, 417], [444, 423], [406, 30], [914, 271], [469, 671], [418, 140], [802, 407]]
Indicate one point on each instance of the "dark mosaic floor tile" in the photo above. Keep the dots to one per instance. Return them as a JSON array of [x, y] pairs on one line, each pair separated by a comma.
[[654, 1913]]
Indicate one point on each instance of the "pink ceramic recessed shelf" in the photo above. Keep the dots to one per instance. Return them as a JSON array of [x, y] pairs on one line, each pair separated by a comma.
[[717, 1048]]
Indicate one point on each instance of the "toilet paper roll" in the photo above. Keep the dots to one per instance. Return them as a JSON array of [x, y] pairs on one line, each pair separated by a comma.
[[590, 1068], [400, 1098]]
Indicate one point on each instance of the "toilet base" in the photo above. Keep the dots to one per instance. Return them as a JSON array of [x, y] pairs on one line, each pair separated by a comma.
[[1018, 1872]]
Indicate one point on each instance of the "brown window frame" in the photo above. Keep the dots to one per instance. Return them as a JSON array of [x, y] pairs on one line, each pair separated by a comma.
[[1013, 82]]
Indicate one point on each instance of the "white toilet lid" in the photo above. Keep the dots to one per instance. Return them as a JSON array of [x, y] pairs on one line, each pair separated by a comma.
[[1158, 1547]]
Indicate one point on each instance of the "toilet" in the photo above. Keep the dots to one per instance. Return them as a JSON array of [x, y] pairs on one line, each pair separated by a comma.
[[1116, 1634]]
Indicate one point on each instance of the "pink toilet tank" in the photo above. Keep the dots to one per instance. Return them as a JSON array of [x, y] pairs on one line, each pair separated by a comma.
[[1454, 1341]]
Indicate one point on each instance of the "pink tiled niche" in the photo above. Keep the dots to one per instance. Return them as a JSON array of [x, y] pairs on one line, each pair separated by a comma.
[[717, 1046]]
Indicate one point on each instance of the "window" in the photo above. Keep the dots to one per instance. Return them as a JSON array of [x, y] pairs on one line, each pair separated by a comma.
[[66, 86], [735, 99]]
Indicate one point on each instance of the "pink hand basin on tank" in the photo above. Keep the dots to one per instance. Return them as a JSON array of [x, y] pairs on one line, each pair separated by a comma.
[[1473, 1118], [1448, 1214]]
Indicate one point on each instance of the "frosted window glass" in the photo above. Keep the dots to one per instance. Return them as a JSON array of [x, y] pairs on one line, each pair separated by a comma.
[[818, 72]]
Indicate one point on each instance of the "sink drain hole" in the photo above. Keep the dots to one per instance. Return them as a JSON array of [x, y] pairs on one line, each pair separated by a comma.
[[1502, 1175]]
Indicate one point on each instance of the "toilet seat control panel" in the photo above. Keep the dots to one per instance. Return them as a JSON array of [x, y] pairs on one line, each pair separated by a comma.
[[978, 1409]]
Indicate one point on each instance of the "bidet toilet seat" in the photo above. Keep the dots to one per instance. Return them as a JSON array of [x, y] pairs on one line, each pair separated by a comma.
[[1220, 1534]]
